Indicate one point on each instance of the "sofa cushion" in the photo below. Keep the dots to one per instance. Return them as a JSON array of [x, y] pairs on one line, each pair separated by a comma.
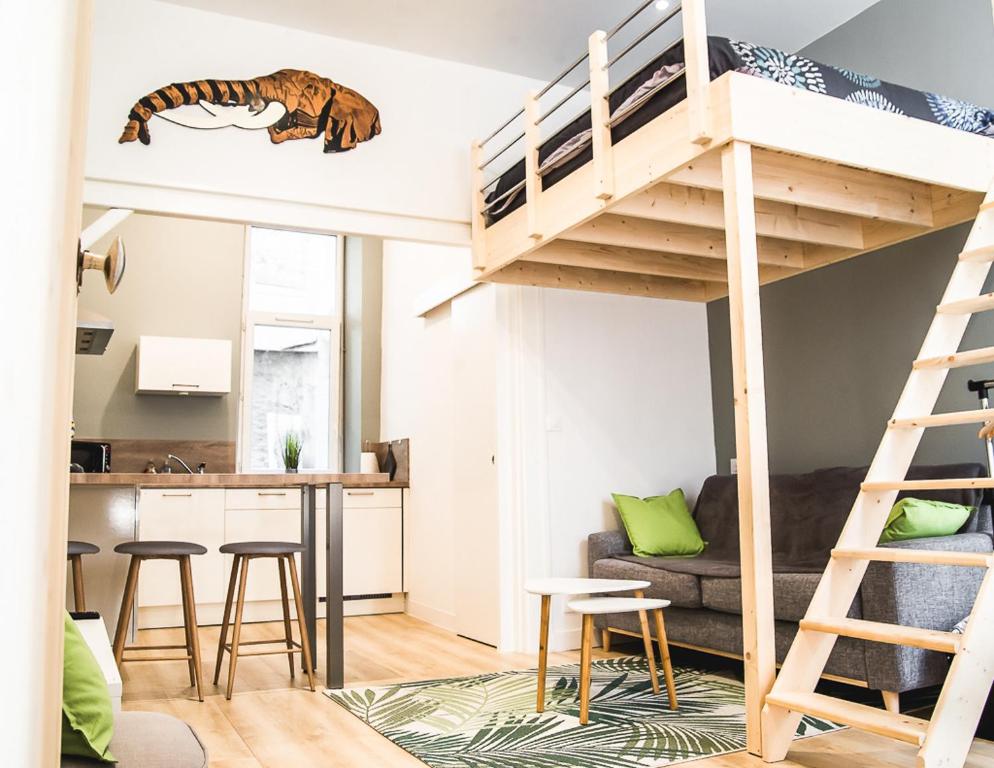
[[792, 592], [681, 589], [150, 740]]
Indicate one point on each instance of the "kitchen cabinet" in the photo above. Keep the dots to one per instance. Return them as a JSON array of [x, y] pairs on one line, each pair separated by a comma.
[[182, 515], [373, 555], [179, 366]]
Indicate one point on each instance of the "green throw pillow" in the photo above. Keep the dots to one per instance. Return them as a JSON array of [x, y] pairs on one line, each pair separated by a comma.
[[87, 717], [921, 519], [660, 525]]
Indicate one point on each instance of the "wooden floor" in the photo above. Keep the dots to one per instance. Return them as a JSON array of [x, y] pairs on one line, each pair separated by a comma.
[[271, 723]]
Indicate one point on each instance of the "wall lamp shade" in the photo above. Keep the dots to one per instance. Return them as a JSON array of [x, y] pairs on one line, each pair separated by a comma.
[[110, 264]]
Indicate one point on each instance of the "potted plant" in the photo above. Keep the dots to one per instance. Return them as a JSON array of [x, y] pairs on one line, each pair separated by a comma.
[[292, 445]]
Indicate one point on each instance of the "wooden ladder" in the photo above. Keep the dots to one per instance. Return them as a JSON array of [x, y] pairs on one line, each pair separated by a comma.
[[944, 740]]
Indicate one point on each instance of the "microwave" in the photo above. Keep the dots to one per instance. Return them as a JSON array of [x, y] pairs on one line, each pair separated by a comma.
[[89, 456]]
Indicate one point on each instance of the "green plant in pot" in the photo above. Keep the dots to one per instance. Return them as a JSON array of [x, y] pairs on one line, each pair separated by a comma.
[[292, 445]]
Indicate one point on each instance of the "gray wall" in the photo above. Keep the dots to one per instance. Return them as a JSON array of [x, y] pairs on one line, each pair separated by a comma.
[[839, 341], [363, 323], [183, 278]]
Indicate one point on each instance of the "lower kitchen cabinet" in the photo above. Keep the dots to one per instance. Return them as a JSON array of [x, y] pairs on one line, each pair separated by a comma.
[[372, 557], [173, 515]]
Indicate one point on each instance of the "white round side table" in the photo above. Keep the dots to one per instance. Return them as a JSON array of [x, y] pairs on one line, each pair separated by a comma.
[[595, 606], [547, 587]]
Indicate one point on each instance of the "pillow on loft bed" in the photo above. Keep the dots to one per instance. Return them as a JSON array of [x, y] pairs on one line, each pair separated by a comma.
[[569, 147]]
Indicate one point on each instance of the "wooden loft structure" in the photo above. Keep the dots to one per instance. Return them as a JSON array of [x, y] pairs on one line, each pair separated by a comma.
[[743, 183]]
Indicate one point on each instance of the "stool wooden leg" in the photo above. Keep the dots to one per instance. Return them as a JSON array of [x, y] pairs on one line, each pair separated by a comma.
[[664, 653], [287, 629], [124, 617], [186, 622], [543, 651], [606, 640], [585, 653], [187, 572], [232, 582], [305, 643], [647, 641], [237, 632], [78, 596]]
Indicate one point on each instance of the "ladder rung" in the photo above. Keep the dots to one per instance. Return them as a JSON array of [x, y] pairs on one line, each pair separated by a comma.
[[944, 419], [880, 721], [929, 485], [957, 360], [895, 634], [986, 206], [967, 306], [923, 556], [984, 253]]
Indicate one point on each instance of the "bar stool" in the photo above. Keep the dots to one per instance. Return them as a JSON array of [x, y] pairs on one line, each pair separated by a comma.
[[243, 552], [74, 553], [162, 550]]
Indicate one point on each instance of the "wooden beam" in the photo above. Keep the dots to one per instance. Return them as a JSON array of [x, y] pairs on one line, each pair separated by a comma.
[[533, 181], [631, 232], [698, 74], [600, 281], [704, 208], [817, 184], [479, 245], [749, 391], [636, 260], [600, 114]]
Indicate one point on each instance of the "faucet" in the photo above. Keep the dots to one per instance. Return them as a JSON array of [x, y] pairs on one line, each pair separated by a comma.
[[178, 460]]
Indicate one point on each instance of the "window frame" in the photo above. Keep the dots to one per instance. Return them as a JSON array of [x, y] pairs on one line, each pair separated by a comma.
[[333, 323]]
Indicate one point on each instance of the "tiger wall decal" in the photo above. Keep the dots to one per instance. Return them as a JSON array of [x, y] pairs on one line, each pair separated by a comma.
[[290, 104]]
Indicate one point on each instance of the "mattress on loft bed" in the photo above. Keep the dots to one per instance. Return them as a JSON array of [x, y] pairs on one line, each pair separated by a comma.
[[559, 155]]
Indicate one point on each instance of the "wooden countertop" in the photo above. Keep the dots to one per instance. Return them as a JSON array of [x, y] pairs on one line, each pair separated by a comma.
[[233, 480]]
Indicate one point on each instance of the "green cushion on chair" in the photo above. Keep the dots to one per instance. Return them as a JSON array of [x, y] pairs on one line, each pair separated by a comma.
[[660, 525], [922, 519], [87, 716]]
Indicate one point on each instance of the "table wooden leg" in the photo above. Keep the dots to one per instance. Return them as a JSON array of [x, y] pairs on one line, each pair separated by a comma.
[[543, 651], [606, 640], [647, 641], [585, 652], [664, 652]]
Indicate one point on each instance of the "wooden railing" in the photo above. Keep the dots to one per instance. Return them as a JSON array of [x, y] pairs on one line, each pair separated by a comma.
[[696, 71]]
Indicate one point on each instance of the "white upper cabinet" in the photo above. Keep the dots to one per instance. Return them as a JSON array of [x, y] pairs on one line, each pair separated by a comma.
[[168, 365]]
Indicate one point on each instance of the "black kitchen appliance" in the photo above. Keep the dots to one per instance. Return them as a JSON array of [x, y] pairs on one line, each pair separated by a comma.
[[90, 455]]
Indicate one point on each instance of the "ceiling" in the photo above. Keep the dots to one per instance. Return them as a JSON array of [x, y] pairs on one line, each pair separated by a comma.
[[528, 37]]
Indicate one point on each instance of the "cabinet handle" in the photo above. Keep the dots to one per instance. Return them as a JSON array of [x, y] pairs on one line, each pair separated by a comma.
[[360, 493], [272, 493], [176, 495], [188, 386]]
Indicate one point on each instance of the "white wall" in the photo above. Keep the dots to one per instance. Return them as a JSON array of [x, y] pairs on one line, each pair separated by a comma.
[[621, 402], [416, 402], [418, 167]]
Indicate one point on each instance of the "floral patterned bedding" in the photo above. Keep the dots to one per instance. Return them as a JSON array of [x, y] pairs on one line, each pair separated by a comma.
[[559, 157]]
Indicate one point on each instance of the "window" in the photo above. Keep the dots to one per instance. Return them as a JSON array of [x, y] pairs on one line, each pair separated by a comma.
[[291, 349]]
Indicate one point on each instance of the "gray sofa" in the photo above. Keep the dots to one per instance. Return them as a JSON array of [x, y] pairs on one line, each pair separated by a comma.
[[149, 740], [807, 515]]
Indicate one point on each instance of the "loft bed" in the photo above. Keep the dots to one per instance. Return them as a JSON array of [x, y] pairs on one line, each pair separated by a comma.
[[636, 207], [696, 179]]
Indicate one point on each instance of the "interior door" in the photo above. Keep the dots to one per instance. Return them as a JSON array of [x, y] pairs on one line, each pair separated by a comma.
[[477, 602]]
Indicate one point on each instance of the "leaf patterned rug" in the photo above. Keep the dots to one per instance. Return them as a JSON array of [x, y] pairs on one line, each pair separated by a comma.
[[489, 721]]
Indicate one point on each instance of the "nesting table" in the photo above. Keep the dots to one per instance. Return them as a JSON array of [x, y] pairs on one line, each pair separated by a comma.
[[548, 587]]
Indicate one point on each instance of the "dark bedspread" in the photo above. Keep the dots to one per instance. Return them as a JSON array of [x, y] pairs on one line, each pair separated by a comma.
[[732, 55]]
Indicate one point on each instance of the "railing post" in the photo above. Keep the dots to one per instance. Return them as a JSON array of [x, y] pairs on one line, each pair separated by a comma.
[[698, 75], [479, 255], [533, 181], [600, 116]]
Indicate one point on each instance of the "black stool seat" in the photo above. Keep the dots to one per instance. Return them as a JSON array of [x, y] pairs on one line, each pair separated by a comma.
[[261, 548], [81, 548], [160, 548]]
